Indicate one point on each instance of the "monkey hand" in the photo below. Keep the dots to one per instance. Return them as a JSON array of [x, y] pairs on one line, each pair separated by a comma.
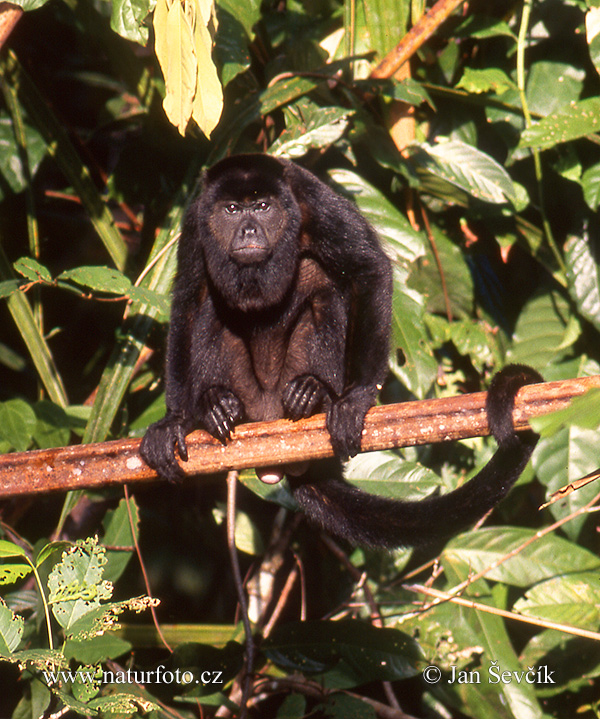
[[159, 445], [219, 411], [303, 396], [346, 418]]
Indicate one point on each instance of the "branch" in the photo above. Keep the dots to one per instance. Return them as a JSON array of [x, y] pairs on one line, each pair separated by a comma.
[[264, 444], [423, 29]]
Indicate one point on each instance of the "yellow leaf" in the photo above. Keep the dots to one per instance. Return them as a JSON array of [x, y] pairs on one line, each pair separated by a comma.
[[208, 15], [174, 47], [208, 100], [184, 31]]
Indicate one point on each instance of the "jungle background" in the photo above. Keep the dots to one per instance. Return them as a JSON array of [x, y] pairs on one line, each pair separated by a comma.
[[477, 160]]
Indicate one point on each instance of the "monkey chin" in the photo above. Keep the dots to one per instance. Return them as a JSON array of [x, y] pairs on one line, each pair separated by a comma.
[[274, 475]]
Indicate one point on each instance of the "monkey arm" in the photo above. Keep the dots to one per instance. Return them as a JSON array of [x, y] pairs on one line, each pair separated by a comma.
[[349, 250]]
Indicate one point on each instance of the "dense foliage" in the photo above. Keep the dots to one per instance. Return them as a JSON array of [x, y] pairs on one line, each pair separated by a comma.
[[480, 170]]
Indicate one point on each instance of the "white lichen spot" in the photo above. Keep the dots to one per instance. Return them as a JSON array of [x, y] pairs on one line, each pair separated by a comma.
[[77, 472], [133, 463]]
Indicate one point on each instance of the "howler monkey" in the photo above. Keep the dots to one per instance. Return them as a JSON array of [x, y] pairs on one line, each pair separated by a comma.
[[282, 308]]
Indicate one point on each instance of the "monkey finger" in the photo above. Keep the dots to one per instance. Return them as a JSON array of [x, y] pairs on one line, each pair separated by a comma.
[[181, 443], [302, 396], [345, 429]]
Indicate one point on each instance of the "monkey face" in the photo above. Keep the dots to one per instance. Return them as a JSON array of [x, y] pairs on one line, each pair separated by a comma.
[[248, 229]]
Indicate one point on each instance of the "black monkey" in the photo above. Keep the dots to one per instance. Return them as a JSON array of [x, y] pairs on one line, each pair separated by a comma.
[[282, 308]]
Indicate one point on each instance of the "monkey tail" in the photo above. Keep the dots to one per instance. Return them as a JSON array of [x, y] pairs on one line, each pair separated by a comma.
[[369, 520]]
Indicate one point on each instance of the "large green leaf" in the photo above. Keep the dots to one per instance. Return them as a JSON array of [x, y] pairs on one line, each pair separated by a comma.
[[573, 599], [345, 653], [545, 330], [577, 120], [541, 559], [583, 275], [569, 454], [565, 80], [467, 168]]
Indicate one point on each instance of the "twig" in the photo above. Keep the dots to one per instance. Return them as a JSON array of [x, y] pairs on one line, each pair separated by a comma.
[[248, 671], [446, 596], [264, 444]]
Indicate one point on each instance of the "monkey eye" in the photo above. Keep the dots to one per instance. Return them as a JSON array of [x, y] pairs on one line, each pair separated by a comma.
[[231, 208], [262, 206]]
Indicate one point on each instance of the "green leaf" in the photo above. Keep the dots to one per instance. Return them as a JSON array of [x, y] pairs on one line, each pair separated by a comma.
[[413, 362], [23, 317], [347, 653], [156, 300], [17, 423], [117, 533], [489, 80], [573, 599], [29, 5], [247, 536], [11, 167], [407, 90], [381, 16], [541, 559], [13, 572], [284, 91], [386, 474], [592, 34], [590, 182], [49, 549], [562, 458], [9, 287], [127, 18], [32, 270], [53, 428], [565, 80], [426, 277], [76, 584], [400, 240], [308, 127], [577, 120], [544, 331], [236, 23], [467, 168], [8, 549], [483, 26], [583, 275], [101, 279], [11, 630], [93, 650]]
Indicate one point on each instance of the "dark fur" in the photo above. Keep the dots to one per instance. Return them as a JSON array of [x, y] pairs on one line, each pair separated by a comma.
[[285, 312]]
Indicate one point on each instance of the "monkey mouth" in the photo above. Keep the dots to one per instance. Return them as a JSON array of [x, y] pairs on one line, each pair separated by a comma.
[[250, 254]]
